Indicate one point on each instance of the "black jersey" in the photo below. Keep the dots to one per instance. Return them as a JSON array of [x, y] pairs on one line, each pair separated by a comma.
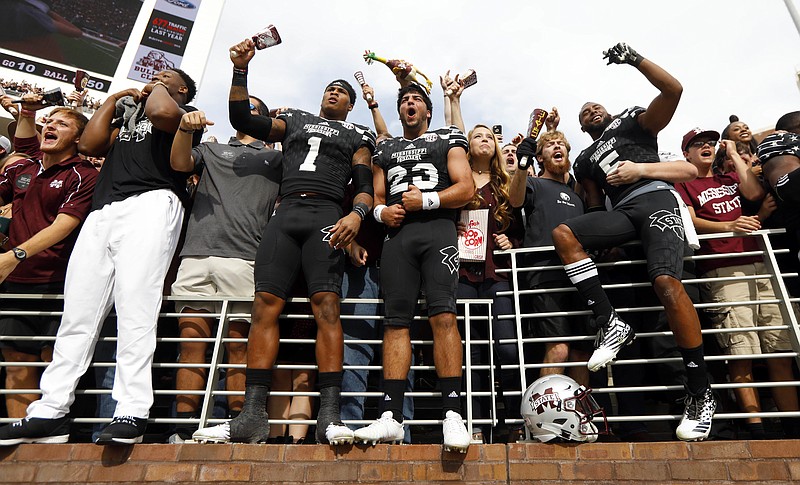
[[622, 140], [421, 162], [318, 153], [548, 203]]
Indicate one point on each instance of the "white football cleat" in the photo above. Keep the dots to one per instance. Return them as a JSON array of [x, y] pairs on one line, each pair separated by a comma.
[[220, 433], [339, 434], [695, 424], [610, 339], [456, 436], [385, 430]]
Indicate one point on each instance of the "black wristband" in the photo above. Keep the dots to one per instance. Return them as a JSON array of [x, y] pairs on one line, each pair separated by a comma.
[[361, 209], [239, 78], [372, 106], [236, 70]]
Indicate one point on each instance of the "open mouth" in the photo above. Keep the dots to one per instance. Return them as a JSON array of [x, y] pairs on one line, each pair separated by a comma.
[[49, 136], [706, 153], [558, 156], [596, 118]]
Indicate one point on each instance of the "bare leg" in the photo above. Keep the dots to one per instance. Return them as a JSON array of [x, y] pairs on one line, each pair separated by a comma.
[[302, 406], [191, 379], [20, 378], [237, 354]]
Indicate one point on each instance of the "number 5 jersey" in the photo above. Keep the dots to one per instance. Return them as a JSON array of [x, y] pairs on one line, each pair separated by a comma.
[[421, 162]]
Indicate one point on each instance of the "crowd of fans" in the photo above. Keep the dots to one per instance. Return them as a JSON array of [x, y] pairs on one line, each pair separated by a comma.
[[112, 19], [525, 190]]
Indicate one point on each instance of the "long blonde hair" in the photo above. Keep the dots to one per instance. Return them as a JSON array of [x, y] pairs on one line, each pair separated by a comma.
[[498, 183]]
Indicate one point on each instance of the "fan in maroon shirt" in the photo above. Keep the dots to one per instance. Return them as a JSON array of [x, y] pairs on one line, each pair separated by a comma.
[[50, 194]]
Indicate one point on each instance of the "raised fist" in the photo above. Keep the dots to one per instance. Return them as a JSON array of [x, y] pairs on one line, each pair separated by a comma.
[[526, 153], [623, 54]]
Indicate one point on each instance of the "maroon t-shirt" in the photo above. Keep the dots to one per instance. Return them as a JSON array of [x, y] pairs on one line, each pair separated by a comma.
[[717, 198], [38, 196], [478, 271]]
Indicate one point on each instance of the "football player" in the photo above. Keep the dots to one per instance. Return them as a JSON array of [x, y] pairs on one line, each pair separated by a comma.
[[421, 178]]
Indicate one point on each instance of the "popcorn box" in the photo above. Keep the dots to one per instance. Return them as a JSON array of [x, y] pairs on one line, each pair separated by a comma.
[[472, 245]]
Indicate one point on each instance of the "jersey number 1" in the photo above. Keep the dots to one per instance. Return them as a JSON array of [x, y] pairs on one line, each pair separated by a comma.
[[311, 157]]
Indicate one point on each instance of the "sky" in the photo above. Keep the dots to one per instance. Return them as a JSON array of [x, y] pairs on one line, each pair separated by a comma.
[[732, 57]]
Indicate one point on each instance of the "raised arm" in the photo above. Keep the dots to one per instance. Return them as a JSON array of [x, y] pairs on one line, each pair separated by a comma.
[[526, 152], [381, 130], [100, 133], [258, 126], [161, 108], [662, 108], [749, 184], [455, 89]]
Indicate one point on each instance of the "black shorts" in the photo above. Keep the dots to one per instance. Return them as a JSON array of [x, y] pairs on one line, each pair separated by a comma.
[[30, 326], [557, 301], [421, 253], [652, 217], [297, 237]]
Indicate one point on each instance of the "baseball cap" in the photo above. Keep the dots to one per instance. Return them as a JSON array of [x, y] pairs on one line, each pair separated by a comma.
[[694, 133], [5, 144]]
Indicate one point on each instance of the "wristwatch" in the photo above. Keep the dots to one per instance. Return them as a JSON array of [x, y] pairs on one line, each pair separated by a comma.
[[20, 254]]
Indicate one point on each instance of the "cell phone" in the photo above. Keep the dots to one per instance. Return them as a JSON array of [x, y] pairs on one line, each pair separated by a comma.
[[497, 129]]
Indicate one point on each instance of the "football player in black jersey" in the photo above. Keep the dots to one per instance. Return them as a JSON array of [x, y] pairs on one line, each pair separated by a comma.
[[422, 177], [622, 164], [321, 154]]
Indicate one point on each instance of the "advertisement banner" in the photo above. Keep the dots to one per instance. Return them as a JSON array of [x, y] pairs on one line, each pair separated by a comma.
[[164, 41]]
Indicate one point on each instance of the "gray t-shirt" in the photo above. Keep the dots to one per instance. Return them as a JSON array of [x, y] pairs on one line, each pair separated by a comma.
[[234, 199], [547, 204]]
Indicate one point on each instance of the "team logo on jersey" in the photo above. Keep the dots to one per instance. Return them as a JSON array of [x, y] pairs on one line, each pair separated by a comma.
[[430, 137], [138, 134], [56, 184], [23, 181], [664, 220], [564, 196], [451, 258], [409, 146]]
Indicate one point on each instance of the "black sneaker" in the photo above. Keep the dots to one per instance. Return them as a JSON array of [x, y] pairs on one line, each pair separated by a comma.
[[35, 430], [123, 430]]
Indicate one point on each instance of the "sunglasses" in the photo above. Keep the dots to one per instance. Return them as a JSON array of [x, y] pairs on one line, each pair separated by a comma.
[[252, 106], [701, 144]]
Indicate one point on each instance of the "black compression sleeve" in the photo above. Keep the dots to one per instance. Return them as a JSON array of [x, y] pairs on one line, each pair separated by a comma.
[[362, 179], [245, 122]]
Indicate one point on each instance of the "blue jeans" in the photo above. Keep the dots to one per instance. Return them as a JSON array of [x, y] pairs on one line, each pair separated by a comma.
[[363, 283]]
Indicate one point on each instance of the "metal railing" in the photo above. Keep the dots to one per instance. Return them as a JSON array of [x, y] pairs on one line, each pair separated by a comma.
[[477, 311]]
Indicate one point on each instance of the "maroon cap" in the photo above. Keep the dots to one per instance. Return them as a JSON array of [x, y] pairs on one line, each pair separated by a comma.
[[694, 133]]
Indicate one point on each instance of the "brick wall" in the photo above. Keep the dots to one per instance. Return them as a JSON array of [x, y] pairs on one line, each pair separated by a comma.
[[673, 462]]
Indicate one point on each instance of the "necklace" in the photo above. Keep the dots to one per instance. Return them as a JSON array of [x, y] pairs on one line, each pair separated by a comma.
[[479, 172]]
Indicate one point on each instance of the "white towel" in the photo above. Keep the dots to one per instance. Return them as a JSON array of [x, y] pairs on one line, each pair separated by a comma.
[[688, 226]]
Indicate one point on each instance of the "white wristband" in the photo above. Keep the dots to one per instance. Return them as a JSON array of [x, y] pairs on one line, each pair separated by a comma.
[[376, 212], [430, 201]]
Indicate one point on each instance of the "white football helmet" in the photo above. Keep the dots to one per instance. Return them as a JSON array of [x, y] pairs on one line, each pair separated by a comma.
[[555, 406]]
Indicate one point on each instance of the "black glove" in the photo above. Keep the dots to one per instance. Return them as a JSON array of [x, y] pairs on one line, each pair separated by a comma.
[[623, 54], [526, 153]]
